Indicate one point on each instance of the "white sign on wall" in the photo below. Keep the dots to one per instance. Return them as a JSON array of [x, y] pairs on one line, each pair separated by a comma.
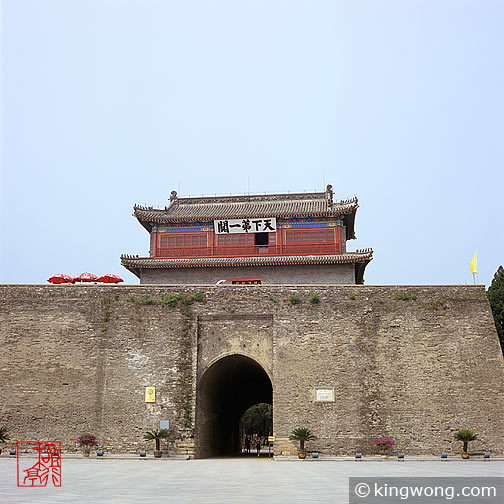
[[326, 395], [254, 225]]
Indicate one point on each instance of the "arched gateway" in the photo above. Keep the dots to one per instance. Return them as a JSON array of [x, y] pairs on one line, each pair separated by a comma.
[[225, 391]]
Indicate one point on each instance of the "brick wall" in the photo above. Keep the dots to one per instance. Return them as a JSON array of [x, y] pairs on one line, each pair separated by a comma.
[[338, 274], [77, 359]]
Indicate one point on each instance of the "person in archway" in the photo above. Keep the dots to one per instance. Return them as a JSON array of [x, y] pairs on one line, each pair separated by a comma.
[[247, 444], [258, 446]]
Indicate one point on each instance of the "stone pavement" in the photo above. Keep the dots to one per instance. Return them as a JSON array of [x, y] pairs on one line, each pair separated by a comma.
[[221, 480]]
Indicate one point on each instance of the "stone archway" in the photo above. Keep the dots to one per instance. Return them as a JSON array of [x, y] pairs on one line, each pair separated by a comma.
[[225, 391]]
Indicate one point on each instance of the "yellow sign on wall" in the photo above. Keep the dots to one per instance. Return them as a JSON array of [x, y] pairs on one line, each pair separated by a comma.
[[150, 394]]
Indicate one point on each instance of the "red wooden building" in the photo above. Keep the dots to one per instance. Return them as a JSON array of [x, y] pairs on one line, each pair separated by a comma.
[[279, 238]]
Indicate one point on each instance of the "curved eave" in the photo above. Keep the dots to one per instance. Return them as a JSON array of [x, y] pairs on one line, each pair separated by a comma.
[[135, 265], [148, 220]]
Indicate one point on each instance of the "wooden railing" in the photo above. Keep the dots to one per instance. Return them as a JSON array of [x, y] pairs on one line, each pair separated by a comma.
[[248, 250]]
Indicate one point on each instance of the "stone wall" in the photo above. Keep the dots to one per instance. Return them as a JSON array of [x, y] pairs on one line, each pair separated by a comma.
[[413, 363], [333, 274]]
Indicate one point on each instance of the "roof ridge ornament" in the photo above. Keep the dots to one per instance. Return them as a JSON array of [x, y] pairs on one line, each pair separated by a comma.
[[329, 195], [348, 201], [173, 200]]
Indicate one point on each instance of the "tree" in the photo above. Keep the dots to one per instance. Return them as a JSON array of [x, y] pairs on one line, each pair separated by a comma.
[[157, 435], [258, 419], [302, 434], [465, 435], [495, 294]]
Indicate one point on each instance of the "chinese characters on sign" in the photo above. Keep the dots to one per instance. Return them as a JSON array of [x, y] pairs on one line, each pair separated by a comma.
[[150, 394], [47, 466], [324, 395], [253, 225]]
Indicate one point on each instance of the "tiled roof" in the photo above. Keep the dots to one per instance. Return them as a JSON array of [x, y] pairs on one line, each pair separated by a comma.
[[138, 263], [226, 207]]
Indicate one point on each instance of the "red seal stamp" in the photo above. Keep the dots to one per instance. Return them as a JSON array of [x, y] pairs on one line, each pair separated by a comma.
[[46, 468]]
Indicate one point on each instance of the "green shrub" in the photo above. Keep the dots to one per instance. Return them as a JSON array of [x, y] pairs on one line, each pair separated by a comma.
[[294, 300], [402, 296], [146, 300], [199, 296], [170, 299], [352, 296], [314, 299]]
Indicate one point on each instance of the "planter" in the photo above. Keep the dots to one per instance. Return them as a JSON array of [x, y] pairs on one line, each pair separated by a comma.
[[85, 453], [302, 455], [314, 454], [465, 455], [157, 454]]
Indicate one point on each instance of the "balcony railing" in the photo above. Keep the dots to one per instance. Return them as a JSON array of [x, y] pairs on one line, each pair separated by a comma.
[[250, 250]]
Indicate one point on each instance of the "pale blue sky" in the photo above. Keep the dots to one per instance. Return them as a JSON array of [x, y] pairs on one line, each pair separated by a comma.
[[110, 102]]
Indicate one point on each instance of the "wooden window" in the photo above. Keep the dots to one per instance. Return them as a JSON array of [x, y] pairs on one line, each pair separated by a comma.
[[235, 240], [272, 238], [325, 236], [183, 240]]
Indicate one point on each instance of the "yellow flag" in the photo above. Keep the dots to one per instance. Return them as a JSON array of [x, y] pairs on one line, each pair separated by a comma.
[[473, 265]]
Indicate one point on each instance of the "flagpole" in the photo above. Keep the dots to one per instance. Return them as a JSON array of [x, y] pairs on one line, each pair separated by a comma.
[[473, 266]]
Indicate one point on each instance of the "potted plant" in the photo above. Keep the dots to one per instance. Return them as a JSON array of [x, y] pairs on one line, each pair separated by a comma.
[[86, 442], [157, 435], [465, 435], [302, 434], [383, 445], [4, 437]]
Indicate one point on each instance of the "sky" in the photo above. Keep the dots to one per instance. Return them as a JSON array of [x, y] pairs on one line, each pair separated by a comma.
[[108, 103]]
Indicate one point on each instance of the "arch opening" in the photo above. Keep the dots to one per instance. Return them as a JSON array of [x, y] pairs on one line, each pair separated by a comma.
[[225, 391]]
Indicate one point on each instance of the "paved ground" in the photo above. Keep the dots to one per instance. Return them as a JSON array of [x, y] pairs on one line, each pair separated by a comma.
[[221, 480]]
